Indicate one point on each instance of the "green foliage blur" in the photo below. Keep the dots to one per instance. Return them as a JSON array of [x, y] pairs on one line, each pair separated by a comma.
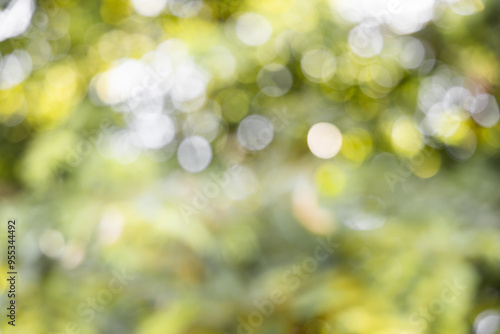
[[171, 144]]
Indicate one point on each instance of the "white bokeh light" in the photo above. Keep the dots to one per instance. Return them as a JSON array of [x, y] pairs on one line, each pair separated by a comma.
[[403, 17], [190, 82], [154, 132], [121, 82], [324, 140], [366, 41], [442, 122], [151, 91], [255, 132], [150, 8], [243, 183], [194, 154], [73, 256], [412, 53], [253, 29], [222, 62], [274, 80], [484, 110], [141, 85], [14, 68]]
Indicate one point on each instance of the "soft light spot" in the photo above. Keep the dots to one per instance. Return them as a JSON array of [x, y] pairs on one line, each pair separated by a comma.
[[412, 54], [318, 65], [154, 132], [253, 29], [185, 8], [235, 104], [110, 227], [14, 68], [458, 97], [484, 110], [403, 17], [368, 213], [463, 146], [255, 132], [487, 322], [222, 62], [190, 82], [205, 124], [121, 82], [149, 8], [366, 41], [324, 140], [442, 122], [243, 183], [194, 154], [51, 243], [307, 210], [73, 256], [274, 80], [16, 18], [466, 7], [427, 165], [123, 146], [356, 145]]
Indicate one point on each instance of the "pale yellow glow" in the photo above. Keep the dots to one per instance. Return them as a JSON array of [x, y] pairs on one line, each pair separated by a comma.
[[405, 137]]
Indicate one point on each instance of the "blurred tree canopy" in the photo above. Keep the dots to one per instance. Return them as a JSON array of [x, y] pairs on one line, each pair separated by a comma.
[[267, 166]]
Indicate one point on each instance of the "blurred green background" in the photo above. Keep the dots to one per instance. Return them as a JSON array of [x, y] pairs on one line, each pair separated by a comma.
[[265, 166]]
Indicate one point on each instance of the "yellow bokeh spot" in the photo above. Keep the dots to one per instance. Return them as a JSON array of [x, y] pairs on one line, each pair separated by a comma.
[[61, 75], [406, 139], [330, 179], [12, 101], [347, 70], [491, 137], [173, 319], [197, 33], [427, 165]]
